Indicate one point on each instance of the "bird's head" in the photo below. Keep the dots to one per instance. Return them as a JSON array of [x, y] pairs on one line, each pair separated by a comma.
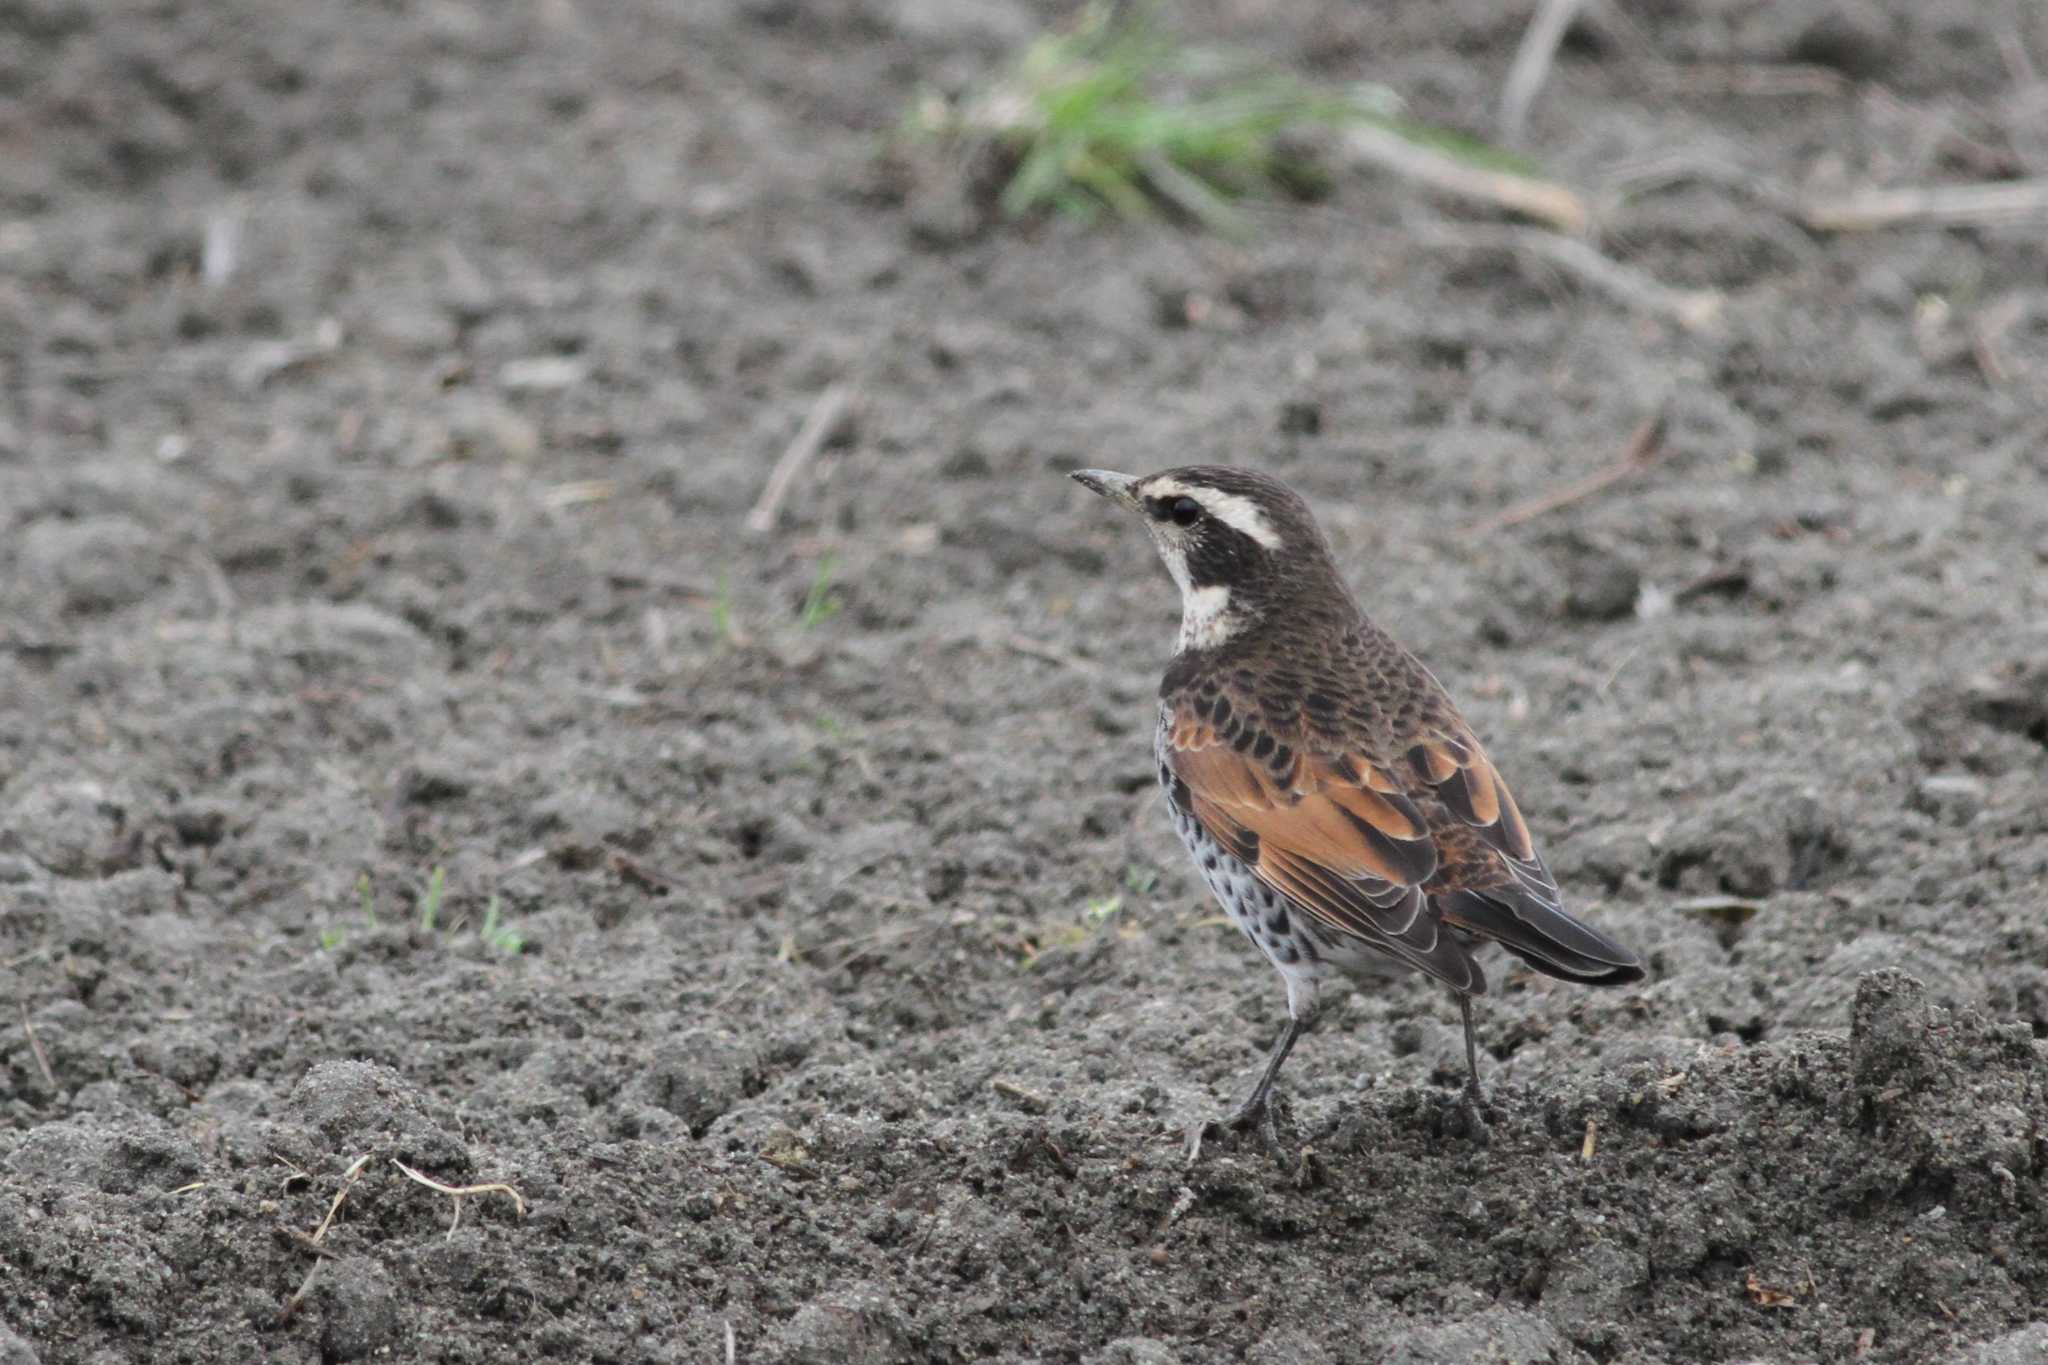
[[1239, 544]]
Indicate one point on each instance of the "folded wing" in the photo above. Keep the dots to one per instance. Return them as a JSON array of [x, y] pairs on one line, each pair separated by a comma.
[[1333, 832], [1490, 879], [1390, 852]]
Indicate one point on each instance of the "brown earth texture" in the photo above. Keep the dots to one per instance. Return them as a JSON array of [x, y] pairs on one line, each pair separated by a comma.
[[409, 756]]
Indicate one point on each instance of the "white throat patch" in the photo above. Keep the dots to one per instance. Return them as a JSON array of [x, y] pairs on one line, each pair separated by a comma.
[[1206, 620], [1234, 510]]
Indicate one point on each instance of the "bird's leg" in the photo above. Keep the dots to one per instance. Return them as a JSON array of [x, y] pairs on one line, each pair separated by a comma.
[[1255, 1107], [1254, 1104], [1474, 1097]]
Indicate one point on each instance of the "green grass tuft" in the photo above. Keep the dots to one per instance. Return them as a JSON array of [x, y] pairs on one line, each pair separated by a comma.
[[1117, 114], [497, 935]]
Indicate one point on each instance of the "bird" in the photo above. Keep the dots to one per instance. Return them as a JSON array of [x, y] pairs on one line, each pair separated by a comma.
[[1337, 804]]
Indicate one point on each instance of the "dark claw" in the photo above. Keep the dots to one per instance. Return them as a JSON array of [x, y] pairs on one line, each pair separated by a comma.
[[1255, 1108], [1257, 1111]]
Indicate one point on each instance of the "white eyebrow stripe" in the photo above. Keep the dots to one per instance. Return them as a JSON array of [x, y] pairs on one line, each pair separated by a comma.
[[1234, 510]]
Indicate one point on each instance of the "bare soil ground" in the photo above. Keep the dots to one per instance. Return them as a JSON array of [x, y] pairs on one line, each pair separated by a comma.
[[860, 992]]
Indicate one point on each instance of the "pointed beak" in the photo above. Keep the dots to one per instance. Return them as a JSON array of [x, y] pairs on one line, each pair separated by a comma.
[[1110, 484]]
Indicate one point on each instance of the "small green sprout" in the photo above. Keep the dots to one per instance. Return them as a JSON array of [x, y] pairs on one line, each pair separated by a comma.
[[498, 936], [722, 615], [430, 904], [821, 604]]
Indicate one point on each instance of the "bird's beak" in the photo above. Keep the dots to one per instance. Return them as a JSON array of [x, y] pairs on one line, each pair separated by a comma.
[[1110, 484]]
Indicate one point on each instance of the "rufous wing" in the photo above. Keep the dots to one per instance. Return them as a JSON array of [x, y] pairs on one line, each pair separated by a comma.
[[1332, 831]]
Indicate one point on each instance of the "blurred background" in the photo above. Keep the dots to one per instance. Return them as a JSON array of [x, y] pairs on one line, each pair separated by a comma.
[[543, 636]]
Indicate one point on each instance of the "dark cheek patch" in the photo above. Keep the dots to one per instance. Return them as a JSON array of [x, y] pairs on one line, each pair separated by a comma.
[[1219, 556]]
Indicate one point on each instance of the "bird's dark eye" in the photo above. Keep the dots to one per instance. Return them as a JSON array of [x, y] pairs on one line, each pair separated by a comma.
[[1185, 511]]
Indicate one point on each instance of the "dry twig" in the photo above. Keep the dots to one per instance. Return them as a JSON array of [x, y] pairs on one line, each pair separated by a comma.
[[1987, 337], [1997, 203], [348, 1181], [1725, 578], [1643, 447], [312, 1243], [1532, 64], [826, 415], [35, 1045], [1696, 310], [304, 1243], [1755, 80], [1532, 198], [1052, 654], [577, 492], [458, 1192], [641, 873]]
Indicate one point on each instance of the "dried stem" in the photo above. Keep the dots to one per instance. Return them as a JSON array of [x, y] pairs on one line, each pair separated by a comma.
[[1532, 198], [35, 1045], [459, 1192], [312, 1243], [1533, 60], [1643, 447], [825, 417], [1696, 310], [1994, 203]]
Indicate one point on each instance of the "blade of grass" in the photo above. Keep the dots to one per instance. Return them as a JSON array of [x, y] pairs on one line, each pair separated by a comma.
[[430, 904]]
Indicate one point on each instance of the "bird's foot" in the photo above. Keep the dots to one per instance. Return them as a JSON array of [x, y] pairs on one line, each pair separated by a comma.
[[1473, 1108], [1257, 1112]]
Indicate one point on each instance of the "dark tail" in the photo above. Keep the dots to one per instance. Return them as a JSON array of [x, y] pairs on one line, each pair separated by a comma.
[[1541, 935]]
